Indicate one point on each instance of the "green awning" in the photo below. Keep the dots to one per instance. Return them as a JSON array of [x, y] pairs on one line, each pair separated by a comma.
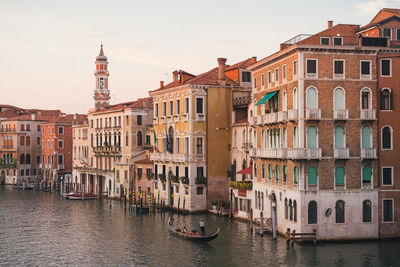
[[267, 97]]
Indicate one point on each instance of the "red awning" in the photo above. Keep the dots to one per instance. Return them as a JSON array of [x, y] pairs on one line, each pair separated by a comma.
[[248, 170]]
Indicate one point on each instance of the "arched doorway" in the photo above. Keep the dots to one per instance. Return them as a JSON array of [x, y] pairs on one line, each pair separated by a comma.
[[109, 187], [3, 177], [274, 214]]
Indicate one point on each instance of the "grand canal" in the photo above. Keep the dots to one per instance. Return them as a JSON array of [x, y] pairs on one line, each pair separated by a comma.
[[43, 229]]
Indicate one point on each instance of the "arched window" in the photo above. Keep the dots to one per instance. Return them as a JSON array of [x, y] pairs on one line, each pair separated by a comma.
[[255, 199], [312, 137], [22, 140], [284, 174], [312, 98], [262, 139], [263, 171], [290, 210], [140, 140], [367, 212], [277, 173], [259, 200], [340, 211], [244, 137], [339, 176], [170, 142], [22, 159], [269, 172], [339, 137], [339, 98], [244, 167], [366, 137], [295, 98], [284, 101], [366, 98], [312, 176], [286, 208], [386, 99], [312, 212], [295, 176], [295, 137], [366, 174], [28, 141], [386, 138], [278, 138], [28, 158], [294, 210]]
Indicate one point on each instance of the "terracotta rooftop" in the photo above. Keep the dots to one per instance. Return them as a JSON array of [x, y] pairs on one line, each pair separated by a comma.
[[68, 119], [139, 103]]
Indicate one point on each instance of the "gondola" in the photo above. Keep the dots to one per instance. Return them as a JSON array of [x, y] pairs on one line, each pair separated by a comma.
[[193, 237], [78, 196]]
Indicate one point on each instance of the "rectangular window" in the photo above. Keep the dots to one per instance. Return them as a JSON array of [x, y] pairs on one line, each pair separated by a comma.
[[337, 40], [284, 72], [262, 80], [255, 82], [387, 33], [186, 172], [269, 77], [60, 144], [37, 159], [386, 67], [178, 106], [199, 190], [200, 172], [294, 68], [397, 34], [60, 159], [139, 119], [365, 69], [177, 145], [171, 107], [127, 120], [246, 76], [91, 124], [277, 75], [164, 111], [325, 40], [38, 141], [199, 105], [38, 128], [338, 68], [177, 171], [186, 145], [388, 210], [156, 111], [387, 174], [186, 105], [139, 173], [311, 68], [199, 146]]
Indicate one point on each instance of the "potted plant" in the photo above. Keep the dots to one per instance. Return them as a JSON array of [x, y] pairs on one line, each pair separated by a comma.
[[184, 180]]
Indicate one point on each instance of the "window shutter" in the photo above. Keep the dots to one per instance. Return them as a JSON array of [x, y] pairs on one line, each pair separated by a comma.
[[339, 176], [391, 100], [366, 174], [312, 176]]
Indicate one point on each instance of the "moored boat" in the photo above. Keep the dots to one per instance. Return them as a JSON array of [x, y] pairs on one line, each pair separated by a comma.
[[192, 236], [78, 196]]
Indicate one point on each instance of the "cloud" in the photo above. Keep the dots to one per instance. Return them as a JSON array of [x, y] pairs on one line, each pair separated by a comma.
[[370, 8]]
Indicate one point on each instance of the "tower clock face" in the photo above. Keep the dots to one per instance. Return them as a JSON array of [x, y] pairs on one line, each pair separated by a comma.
[[101, 83]]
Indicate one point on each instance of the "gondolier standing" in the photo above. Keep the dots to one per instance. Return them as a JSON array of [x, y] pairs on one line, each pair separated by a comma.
[[203, 230]]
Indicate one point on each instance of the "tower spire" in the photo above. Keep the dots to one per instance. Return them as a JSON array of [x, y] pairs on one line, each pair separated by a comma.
[[101, 92]]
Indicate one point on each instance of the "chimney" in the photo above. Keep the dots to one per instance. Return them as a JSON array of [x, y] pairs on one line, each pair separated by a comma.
[[253, 60], [33, 117], [221, 71], [161, 84], [330, 24], [75, 116], [175, 76]]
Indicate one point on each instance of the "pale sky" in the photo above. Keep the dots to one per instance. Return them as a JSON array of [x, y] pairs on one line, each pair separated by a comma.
[[48, 48]]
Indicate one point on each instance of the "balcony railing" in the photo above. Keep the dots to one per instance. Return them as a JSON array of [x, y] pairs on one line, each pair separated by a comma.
[[255, 120], [340, 114], [108, 149], [185, 117], [169, 118], [282, 115], [170, 157], [293, 114], [341, 153], [368, 153], [270, 152], [155, 120], [367, 114], [200, 117], [313, 114], [304, 153], [247, 146], [176, 118]]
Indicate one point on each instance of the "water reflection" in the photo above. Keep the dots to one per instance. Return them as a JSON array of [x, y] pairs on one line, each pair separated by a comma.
[[44, 229]]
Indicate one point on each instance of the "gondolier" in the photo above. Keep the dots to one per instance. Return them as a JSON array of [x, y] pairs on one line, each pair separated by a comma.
[[202, 228]]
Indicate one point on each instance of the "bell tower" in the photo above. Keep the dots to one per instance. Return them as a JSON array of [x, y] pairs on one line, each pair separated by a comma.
[[101, 93]]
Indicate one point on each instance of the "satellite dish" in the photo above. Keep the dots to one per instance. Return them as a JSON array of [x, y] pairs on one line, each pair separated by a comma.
[[328, 212]]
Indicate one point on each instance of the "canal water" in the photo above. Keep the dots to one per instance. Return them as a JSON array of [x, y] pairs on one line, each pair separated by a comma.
[[43, 229]]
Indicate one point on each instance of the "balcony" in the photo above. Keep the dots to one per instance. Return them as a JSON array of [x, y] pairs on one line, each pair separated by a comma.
[[60, 167], [269, 118], [200, 117], [340, 114], [254, 120], [367, 114], [270, 152], [163, 119], [169, 118], [247, 146], [176, 118], [155, 120], [282, 115], [313, 114], [199, 158], [169, 157], [368, 153], [292, 114], [341, 153], [107, 150], [185, 117], [304, 153]]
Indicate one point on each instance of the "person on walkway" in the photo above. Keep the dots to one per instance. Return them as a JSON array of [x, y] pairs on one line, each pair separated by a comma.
[[202, 228]]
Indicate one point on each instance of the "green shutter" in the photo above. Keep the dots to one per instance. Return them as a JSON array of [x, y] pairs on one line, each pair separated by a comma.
[[277, 172], [312, 176], [366, 174], [339, 175], [311, 98], [296, 179], [269, 171], [339, 137], [339, 98]]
